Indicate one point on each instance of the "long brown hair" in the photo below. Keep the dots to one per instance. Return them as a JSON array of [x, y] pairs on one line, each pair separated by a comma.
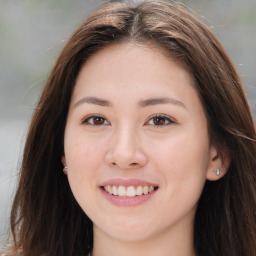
[[45, 218]]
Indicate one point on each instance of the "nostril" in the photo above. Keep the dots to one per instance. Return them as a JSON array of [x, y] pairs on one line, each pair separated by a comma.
[[133, 164]]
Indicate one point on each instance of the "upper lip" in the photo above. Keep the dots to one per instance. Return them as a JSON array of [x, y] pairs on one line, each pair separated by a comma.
[[127, 182]]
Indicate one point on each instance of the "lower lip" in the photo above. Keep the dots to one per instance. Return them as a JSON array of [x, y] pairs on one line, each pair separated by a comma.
[[127, 201]]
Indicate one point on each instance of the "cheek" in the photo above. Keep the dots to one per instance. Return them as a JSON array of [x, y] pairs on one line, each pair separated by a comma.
[[183, 163], [83, 153], [182, 156], [83, 157]]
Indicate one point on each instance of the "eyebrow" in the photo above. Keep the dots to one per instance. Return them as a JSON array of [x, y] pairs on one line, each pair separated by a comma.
[[93, 100], [142, 103], [162, 100]]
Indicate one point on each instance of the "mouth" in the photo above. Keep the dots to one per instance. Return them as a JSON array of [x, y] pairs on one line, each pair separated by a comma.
[[129, 191]]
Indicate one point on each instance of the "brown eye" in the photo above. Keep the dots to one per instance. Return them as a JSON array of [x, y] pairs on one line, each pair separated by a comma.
[[98, 120], [160, 120], [95, 120]]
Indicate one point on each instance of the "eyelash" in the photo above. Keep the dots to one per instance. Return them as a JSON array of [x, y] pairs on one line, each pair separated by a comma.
[[87, 120], [164, 118]]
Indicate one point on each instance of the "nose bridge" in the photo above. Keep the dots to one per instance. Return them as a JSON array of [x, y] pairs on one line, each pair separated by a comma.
[[125, 136], [126, 149]]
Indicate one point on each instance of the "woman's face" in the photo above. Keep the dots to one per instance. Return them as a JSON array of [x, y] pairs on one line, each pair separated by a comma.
[[136, 144]]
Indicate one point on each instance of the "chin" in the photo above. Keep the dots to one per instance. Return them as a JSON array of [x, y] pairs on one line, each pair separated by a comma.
[[129, 230]]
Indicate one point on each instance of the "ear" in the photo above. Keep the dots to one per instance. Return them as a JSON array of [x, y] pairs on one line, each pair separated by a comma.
[[63, 160], [218, 165]]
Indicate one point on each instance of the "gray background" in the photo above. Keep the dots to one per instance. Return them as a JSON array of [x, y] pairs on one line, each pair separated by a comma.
[[32, 33]]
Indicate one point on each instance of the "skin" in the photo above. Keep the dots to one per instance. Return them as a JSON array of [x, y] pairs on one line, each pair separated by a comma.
[[128, 142]]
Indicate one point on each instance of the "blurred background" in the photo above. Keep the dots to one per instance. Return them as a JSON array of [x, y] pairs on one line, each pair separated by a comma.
[[33, 32]]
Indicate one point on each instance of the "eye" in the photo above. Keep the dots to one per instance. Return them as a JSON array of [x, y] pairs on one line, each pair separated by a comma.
[[160, 120], [96, 120]]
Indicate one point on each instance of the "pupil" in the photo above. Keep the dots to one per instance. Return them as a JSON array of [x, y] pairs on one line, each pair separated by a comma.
[[159, 120], [98, 120]]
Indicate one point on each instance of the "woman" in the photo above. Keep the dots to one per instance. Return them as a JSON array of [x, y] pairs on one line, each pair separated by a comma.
[[142, 143]]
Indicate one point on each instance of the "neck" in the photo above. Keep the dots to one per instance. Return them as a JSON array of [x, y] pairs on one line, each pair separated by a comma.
[[168, 243]]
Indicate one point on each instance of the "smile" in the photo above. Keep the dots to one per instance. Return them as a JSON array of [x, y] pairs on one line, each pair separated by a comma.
[[129, 191]]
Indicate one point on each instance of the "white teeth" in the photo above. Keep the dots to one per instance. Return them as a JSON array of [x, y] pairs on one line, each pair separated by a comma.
[[109, 189], [114, 190], [151, 189], [145, 190], [129, 191], [121, 191], [139, 191]]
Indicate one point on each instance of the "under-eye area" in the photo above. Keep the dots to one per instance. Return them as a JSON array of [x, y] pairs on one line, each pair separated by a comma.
[[130, 191]]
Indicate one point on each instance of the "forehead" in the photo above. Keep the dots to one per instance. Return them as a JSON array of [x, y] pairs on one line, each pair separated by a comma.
[[131, 65]]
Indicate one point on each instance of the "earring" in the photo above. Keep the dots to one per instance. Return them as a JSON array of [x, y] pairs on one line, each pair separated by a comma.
[[65, 169], [217, 171]]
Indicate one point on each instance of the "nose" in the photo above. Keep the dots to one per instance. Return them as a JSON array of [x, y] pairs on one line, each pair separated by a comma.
[[126, 150]]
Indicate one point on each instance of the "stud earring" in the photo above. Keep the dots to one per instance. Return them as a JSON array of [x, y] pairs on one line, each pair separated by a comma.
[[217, 171]]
